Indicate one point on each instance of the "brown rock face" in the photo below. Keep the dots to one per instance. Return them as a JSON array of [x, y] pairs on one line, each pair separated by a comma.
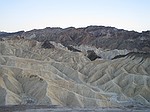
[[98, 36]]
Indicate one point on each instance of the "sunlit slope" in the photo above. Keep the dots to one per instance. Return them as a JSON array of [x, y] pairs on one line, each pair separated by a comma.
[[30, 74]]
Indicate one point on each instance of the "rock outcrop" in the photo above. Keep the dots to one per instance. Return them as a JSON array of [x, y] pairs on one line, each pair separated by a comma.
[[47, 45], [71, 48], [92, 55], [30, 74]]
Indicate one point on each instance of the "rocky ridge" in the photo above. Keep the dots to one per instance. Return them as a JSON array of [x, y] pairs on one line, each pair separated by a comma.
[[98, 36]]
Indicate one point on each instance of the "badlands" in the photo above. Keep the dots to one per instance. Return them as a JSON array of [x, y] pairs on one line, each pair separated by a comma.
[[35, 74]]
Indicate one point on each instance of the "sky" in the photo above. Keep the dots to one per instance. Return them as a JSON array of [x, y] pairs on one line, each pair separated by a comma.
[[16, 15]]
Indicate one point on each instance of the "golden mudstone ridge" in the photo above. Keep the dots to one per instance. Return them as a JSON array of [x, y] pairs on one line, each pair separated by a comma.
[[30, 74]]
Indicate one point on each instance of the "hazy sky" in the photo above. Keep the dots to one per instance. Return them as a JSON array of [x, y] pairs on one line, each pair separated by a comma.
[[34, 14]]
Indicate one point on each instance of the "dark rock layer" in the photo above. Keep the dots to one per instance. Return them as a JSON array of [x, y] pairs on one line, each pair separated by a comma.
[[47, 45], [98, 36], [92, 55]]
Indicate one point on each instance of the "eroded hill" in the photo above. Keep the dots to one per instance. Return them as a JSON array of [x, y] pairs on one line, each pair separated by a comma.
[[30, 74]]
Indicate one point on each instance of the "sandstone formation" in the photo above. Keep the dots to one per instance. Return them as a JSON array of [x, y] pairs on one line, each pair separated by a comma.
[[99, 52], [30, 74]]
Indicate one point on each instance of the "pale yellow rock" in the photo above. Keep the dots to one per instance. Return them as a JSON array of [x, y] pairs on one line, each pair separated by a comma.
[[30, 74]]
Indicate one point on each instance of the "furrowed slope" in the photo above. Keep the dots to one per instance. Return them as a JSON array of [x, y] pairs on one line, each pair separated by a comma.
[[30, 74]]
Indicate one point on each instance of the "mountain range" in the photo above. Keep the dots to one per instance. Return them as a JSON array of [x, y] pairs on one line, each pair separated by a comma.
[[97, 36]]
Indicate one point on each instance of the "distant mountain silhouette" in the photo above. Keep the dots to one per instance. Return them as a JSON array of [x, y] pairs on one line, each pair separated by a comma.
[[6, 35]]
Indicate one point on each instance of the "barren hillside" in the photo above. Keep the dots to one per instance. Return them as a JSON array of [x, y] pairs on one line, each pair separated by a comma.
[[31, 74]]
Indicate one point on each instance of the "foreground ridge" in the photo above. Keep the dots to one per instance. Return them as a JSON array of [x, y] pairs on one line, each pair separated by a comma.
[[30, 74]]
